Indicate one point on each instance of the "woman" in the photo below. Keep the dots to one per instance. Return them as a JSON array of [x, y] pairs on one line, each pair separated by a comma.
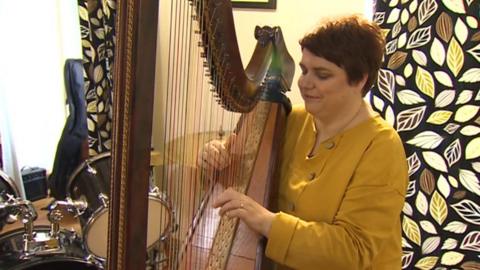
[[344, 174]]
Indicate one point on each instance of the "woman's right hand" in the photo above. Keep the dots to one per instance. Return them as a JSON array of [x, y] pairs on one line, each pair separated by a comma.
[[216, 154]]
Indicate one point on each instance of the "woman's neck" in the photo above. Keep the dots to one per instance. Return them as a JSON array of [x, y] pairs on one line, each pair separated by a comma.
[[328, 128]]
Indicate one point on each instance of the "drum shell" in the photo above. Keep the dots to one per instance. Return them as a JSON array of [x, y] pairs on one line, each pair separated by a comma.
[[72, 256], [87, 182]]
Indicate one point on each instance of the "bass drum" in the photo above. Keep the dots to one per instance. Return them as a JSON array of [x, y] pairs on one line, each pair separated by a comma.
[[70, 253], [90, 183]]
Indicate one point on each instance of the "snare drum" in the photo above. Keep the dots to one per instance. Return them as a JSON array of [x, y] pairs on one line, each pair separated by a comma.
[[70, 255], [90, 182]]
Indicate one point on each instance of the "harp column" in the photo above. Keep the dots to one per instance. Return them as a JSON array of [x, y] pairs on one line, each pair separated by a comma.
[[134, 79]]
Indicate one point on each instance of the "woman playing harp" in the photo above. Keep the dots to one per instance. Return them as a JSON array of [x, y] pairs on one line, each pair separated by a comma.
[[343, 171], [252, 104]]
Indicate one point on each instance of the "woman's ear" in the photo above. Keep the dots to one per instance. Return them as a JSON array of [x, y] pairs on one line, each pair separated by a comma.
[[364, 80], [360, 84]]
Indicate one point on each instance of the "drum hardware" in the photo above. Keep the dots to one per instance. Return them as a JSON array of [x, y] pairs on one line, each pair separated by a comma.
[[55, 214], [33, 244], [16, 206], [103, 199], [9, 206], [155, 192], [55, 217], [75, 207], [157, 259], [98, 262], [91, 169], [37, 243]]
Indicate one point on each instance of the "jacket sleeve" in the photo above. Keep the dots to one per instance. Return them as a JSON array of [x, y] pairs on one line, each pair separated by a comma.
[[368, 215]]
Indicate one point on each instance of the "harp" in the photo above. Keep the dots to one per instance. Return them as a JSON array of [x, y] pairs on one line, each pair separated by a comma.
[[255, 93]]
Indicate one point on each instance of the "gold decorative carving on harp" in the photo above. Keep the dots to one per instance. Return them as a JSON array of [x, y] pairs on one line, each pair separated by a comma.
[[197, 238]]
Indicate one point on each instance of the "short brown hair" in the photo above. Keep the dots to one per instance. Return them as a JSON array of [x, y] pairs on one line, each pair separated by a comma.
[[352, 43]]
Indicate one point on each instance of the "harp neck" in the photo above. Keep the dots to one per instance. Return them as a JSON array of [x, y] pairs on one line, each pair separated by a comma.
[[240, 89]]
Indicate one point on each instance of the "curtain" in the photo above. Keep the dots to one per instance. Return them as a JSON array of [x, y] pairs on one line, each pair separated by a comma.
[[97, 21], [428, 89]]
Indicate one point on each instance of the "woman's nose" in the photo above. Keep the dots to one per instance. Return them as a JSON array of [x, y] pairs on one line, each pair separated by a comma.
[[304, 82]]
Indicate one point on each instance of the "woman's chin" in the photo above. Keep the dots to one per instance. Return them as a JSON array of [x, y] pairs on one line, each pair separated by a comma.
[[312, 108]]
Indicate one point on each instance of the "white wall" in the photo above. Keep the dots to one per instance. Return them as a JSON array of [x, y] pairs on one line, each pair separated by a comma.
[[33, 51]]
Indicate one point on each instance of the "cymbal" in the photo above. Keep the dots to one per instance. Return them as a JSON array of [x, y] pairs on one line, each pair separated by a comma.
[[156, 158], [182, 149]]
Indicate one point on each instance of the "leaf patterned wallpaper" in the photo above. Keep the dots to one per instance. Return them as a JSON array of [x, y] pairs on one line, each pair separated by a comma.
[[429, 89], [97, 21]]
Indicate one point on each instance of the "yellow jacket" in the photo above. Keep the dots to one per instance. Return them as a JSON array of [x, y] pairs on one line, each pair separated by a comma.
[[341, 208]]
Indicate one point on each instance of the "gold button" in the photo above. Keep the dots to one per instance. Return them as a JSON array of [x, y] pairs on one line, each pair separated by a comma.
[[329, 145], [311, 176]]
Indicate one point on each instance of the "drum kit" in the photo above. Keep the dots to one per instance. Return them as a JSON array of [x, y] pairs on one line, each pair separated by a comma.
[[72, 233]]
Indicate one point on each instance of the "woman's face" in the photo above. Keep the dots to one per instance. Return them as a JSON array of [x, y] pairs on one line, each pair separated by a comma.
[[325, 88]]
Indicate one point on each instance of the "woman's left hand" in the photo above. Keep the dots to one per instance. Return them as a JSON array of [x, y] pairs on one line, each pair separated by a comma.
[[236, 204]]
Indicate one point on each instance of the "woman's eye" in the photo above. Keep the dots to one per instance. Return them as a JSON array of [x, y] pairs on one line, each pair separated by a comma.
[[323, 76]]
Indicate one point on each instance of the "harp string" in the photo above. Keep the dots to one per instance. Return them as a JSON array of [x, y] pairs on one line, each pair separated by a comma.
[[191, 118], [182, 90], [174, 119]]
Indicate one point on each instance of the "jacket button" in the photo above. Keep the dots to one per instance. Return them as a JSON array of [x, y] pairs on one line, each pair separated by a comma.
[[329, 145], [311, 176]]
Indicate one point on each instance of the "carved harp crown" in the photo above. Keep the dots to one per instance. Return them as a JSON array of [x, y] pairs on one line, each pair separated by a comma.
[[257, 92]]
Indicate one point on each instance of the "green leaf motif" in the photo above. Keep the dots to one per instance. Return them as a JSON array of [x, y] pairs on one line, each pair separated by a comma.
[[426, 263], [425, 82], [455, 57], [411, 229], [438, 208]]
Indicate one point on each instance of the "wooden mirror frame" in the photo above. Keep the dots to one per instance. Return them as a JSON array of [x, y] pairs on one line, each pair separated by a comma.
[[133, 91]]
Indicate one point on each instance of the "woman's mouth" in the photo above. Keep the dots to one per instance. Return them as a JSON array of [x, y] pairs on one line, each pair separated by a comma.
[[310, 97]]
